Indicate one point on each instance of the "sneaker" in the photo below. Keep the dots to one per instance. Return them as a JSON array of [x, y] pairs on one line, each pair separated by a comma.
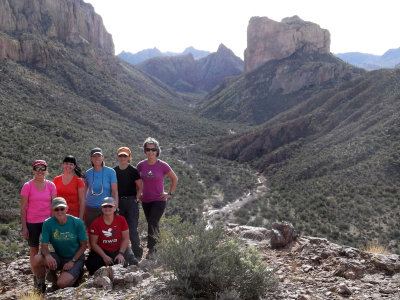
[[39, 284]]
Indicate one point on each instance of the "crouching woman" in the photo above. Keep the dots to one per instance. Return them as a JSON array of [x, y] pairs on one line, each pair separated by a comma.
[[67, 235], [109, 239]]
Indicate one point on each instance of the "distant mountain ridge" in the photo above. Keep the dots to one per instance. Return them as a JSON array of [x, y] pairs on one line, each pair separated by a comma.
[[137, 58], [390, 59], [185, 74]]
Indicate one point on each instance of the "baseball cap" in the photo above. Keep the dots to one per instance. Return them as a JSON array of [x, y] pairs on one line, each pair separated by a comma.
[[58, 201], [96, 151], [124, 150], [108, 201]]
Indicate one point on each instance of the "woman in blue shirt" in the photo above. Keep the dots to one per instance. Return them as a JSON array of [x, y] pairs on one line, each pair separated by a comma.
[[101, 182]]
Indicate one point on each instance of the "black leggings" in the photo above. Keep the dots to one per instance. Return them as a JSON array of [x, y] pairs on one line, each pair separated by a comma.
[[153, 212]]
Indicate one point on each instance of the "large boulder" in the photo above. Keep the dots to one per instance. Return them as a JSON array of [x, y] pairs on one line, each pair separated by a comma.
[[268, 40]]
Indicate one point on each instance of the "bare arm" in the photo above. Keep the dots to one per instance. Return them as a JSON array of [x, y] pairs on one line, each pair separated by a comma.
[[51, 210], [174, 182], [50, 262], [139, 188], [96, 248], [78, 253], [81, 195], [124, 245], [24, 207], [114, 192]]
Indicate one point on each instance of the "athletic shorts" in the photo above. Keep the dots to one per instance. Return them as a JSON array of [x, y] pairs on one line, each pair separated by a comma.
[[34, 229], [76, 269]]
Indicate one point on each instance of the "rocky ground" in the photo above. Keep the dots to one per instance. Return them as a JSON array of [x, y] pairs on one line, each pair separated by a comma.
[[306, 268]]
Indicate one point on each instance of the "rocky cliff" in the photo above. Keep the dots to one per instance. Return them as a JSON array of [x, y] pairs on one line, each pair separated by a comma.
[[29, 29], [268, 40], [307, 268], [186, 74]]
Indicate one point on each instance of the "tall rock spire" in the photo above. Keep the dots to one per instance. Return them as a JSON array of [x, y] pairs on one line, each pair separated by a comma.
[[268, 40]]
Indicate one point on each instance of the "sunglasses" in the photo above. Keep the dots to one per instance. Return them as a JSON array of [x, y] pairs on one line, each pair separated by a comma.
[[150, 149], [59, 209], [107, 206], [122, 155], [37, 169]]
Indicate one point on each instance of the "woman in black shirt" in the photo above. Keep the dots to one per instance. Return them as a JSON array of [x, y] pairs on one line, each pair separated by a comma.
[[129, 190]]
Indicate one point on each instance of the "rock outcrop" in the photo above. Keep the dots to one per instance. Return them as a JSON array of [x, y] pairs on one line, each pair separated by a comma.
[[268, 40], [29, 27], [186, 74], [307, 268]]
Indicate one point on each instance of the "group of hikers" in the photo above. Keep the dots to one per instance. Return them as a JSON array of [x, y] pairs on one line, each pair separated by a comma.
[[102, 202]]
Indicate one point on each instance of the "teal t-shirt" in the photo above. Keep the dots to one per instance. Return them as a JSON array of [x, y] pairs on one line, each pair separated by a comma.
[[64, 238]]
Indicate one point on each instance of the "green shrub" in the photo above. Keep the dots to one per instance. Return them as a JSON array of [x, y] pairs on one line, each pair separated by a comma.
[[205, 262], [4, 230]]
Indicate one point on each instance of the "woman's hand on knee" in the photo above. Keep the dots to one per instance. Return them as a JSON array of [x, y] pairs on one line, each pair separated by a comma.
[[108, 260]]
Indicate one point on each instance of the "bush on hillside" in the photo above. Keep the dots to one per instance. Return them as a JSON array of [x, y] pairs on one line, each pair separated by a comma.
[[205, 262]]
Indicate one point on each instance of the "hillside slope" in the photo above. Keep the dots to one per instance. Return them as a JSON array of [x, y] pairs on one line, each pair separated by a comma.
[[333, 162], [60, 98], [274, 87]]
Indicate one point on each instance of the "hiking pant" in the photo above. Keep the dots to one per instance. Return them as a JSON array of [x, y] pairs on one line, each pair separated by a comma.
[[153, 212]]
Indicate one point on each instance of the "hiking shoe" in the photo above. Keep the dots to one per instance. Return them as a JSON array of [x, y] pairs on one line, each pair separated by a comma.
[[132, 260], [150, 254], [78, 280], [138, 251], [52, 277], [39, 284]]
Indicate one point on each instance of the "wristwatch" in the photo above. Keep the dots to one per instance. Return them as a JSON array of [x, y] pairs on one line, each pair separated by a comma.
[[73, 260], [169, 193]]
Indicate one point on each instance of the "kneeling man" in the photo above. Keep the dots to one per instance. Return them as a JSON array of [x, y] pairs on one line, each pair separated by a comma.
[[67, 235]]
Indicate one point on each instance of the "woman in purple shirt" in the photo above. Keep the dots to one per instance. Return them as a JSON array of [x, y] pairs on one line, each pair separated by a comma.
[[154, 198]]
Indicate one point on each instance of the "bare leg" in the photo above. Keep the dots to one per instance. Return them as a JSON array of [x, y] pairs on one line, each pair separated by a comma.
[[65, 279], [32, 252], [38, 265]]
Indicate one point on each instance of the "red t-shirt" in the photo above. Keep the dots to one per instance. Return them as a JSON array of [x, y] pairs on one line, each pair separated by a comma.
[[110, 236], [70, 193]]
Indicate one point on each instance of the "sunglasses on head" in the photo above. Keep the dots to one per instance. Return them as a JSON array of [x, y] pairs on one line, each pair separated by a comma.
[[37, 169], [150, 149], [107, 206], [59, 209]]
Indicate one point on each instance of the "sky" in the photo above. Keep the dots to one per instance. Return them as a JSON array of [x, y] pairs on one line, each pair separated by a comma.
[[367, 26]]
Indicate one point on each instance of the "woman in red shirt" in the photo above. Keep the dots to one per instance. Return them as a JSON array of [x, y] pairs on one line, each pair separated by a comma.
[[71, 187], [109, 239]]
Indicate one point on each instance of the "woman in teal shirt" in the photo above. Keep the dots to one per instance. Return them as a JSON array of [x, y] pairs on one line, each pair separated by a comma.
[[101, 182]]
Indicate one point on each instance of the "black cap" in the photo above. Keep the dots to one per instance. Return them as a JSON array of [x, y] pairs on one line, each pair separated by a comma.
[[96, 151]]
